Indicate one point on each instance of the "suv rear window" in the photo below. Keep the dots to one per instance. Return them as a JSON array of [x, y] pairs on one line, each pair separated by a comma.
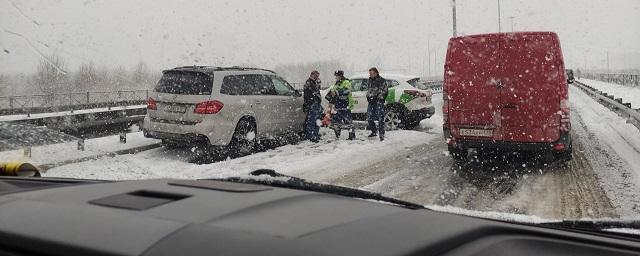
[[180, 82]]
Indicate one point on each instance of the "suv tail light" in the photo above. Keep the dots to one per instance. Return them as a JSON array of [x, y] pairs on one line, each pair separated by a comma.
[[208, 107], [415, 93], [565, 122], [151, 104]]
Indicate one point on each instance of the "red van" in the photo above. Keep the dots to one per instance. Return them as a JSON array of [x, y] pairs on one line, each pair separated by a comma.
[[506, 91]]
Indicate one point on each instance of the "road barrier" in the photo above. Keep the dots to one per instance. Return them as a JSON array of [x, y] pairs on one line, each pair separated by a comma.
[[615, 104], [43, 103]]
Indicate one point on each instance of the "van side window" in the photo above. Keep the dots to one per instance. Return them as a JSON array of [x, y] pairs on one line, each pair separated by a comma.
[[247, 85]]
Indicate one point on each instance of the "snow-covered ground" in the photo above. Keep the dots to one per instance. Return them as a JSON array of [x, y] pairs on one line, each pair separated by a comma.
[[610, 145], [61, 152], [627, 93], [612, 149], [328, 158]]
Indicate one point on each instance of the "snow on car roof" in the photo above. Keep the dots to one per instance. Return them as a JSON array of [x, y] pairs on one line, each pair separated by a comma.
[[387, 75]]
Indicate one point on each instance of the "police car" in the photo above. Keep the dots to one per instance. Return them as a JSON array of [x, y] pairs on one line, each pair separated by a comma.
[[406, 105]]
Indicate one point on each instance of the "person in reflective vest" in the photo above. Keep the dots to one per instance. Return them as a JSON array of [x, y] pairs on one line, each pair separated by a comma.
[[340, 96]]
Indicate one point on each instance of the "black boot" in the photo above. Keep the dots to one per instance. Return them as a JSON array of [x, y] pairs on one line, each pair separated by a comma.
[[352, 135], [373, 134]]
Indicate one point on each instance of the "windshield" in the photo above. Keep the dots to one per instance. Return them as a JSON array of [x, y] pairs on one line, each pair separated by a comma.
[[517, 110]]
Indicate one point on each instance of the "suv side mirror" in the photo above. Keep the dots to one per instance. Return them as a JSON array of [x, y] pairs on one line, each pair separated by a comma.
[[297, 93]]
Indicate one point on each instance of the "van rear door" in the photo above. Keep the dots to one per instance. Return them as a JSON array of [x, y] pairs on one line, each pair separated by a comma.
[[530, 85], [471, 74]]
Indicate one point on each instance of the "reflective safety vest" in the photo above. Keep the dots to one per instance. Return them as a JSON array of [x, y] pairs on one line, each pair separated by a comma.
[[343, 94]]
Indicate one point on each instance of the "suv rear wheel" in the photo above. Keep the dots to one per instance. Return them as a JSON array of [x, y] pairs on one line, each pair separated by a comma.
[[243, 141]]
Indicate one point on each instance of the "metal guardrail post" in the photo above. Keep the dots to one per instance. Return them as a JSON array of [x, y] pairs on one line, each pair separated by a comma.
[[11, 104], [88, 97]]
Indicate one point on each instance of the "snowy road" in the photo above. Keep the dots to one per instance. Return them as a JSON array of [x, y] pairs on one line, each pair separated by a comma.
[[600, 181]]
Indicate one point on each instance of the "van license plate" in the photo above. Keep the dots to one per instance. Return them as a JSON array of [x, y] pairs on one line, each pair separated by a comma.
[[175, 108], [476, 132]]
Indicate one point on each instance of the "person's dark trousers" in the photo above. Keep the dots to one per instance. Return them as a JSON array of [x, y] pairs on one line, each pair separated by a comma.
[[375, 112], [312, 128], [343, 120]]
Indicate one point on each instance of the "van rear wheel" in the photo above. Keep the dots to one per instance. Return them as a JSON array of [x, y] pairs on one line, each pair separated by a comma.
[[457, 154], [243, 141]]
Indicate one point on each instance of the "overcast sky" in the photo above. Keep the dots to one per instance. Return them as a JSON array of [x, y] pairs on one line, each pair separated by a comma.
[[267, 33]]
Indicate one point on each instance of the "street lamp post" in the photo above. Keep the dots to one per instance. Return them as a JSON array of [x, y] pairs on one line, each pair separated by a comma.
[[511, 18], [453, 10], [499, 24]]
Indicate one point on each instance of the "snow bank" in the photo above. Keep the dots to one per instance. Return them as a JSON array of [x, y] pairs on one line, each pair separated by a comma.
[[612, 147], [434, 123], [627, 93], [60, 152], [329, 158]]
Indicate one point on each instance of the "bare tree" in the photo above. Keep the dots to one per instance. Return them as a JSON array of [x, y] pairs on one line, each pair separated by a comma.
[[298, 73], [86, 78], [140, 75], [3, 84], [49, 77]]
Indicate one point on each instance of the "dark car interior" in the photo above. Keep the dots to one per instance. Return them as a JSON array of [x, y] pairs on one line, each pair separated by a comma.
[[43, 216]]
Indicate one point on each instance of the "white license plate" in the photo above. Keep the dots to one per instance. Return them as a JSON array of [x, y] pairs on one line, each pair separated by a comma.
[[476, 132], [175, 108]]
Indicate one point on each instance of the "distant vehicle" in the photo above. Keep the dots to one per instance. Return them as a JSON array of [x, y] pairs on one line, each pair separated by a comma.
[[406, 104], [506, 91], [218, 106], [570, 77]]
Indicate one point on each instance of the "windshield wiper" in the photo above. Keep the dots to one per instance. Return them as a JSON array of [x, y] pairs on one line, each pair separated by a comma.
[[302, 184], [595, 225]]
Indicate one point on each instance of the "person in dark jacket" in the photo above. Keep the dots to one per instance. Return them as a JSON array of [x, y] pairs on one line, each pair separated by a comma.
[[312, 106], [376, 94]]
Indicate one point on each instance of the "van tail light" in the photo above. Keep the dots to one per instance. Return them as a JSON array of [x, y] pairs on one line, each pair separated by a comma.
[[151, 104], [208, 107], [565, 122], [415, 93], [445, 107], [559, 147]]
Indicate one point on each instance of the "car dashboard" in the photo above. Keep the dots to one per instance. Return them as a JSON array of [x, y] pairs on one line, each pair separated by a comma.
[[41, 216]]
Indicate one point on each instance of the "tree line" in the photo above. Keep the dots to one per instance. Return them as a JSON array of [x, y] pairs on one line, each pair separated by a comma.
[[52, 77]]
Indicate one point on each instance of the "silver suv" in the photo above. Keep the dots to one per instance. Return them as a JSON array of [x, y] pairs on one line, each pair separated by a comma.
[[234, 106]]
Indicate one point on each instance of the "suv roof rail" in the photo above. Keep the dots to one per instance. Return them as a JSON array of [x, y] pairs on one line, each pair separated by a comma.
[[193, 66], [223, 68], [244, 68]]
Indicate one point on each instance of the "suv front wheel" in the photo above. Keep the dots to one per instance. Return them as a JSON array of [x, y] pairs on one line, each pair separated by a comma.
[[243, 141]]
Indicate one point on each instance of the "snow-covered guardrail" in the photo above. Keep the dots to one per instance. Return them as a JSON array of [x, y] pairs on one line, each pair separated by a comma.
[[434, 86], [613, 103]]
